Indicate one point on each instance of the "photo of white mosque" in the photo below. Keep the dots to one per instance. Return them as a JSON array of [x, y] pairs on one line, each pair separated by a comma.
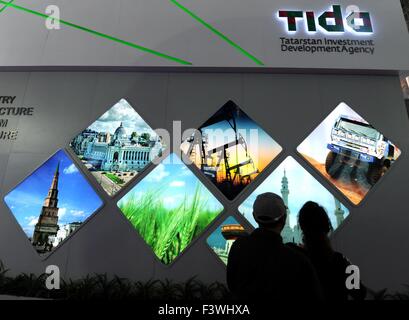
[[294, 234], [284, 181], [289, 234], [117, 146]]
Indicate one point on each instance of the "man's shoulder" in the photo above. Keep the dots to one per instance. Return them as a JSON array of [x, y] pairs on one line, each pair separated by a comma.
[[242, 240]]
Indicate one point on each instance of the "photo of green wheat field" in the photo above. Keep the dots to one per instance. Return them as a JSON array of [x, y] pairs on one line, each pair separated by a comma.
[[169, 208]]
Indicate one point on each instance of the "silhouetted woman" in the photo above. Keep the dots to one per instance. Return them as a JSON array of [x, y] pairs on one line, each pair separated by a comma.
[[329, 264]]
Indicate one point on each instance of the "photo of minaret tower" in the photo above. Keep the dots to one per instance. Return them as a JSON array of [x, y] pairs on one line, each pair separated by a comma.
[[296, 187], [52, 202], [287, 231], [289, 234], [47, 225]]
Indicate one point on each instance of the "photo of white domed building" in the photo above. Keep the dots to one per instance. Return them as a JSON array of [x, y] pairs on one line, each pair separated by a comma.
[[117, 146]]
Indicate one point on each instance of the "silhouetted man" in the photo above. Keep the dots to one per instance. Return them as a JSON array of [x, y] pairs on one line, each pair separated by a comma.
[[260, 266]]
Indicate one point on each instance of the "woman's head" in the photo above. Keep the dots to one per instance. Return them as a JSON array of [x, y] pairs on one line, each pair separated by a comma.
[[313, 220]]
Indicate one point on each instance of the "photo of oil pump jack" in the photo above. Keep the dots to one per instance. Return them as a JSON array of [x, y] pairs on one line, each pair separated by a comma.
[[230, 149]]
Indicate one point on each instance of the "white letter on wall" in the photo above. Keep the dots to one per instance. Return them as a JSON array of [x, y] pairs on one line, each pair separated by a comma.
[[53, 20], [53, 280]]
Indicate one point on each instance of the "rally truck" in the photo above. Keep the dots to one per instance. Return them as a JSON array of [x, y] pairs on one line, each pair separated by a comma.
[[355, 143]]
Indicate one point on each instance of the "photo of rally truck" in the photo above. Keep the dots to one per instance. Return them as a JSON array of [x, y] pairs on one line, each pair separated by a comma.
[[356, 143]]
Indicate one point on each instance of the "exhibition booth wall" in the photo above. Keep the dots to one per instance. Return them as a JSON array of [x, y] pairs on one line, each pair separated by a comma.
[[85, 86], [289, 108]]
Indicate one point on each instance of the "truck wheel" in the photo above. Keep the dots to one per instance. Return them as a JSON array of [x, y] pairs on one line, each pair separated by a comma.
[[374, 173], [329, 161]]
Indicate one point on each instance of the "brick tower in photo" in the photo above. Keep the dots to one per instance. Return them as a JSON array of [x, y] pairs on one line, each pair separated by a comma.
[[47, 226]]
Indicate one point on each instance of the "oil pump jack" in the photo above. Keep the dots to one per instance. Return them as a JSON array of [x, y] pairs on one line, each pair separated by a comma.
[[216, 163]]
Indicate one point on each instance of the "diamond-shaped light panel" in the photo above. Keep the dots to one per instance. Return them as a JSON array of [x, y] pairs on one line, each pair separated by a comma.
[[169, 208], [221, 240], [349, 152], [230, 149], [117, 146], [49, 204], [296, 186]]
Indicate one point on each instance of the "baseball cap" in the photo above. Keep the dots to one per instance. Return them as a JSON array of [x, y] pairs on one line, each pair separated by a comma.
[[268, 208]]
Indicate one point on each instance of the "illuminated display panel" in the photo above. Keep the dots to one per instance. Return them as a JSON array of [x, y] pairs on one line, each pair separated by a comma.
[[169, 208], [296, 186], [52, 203], [117, 146], [349, 152], [231, 150]]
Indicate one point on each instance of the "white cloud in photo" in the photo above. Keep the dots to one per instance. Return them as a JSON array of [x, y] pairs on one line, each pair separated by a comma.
[[185, 172], [169, 201], [122, 112], [177, 184], [77, 213], [29, 231], [62, 212], [158, 174], [173, 201], [70, 169], [33, 221]]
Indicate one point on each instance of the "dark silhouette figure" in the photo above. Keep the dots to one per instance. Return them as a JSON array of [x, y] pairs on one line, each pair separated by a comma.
[[260, 266], [330, 265]]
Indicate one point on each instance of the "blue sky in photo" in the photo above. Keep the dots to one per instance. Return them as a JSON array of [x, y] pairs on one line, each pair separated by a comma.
[[77, 199], [173, 182], [244, 124], [216, 239], [303, 187]]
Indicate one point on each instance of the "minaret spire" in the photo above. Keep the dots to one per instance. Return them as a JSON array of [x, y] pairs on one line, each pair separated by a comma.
[[47, 225], [284, 188], [289, 234], [285, 191], [52, 198]]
